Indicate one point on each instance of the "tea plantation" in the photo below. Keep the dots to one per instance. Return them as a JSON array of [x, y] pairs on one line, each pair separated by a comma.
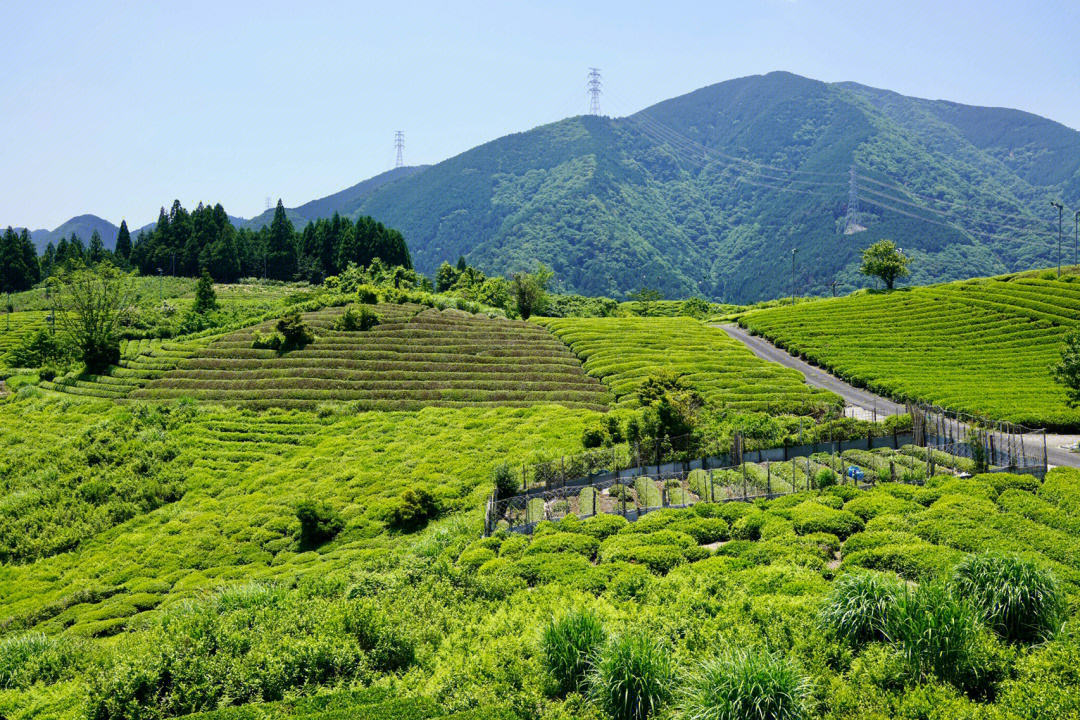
[[186, 580], [240, 527], [414, 357], [984, 346], [624, 351]]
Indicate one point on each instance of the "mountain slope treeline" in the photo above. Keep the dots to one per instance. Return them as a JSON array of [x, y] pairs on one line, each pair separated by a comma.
[[709, 193]]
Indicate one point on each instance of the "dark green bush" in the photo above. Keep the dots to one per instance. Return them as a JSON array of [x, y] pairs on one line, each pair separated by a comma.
[[570, 646], [504, 480], [319, 522], [367, 295], [634, 677], [356, 320], [413, 509], [1019, 600], [746, 685], [858, 605]]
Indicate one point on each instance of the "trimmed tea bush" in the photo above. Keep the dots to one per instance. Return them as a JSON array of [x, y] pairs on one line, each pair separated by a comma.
[[633, 678], [570, 646], [1019, 600], [319, 522], [746, 685], [810, 517]]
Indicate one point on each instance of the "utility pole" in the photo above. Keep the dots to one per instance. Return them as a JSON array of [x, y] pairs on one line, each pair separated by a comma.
[[833, 286], [594, 91], [1061, 209], [399, 144], [851, 223], [267, 202], [793, 251], [1076, 239]]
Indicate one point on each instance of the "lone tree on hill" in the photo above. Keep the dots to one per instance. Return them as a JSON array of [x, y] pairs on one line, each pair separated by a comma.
[[645, 298], [530, 291], [886, 261], [90, 306]]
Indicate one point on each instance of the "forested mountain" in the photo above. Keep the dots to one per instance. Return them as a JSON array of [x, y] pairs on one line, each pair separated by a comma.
[[710, 192]]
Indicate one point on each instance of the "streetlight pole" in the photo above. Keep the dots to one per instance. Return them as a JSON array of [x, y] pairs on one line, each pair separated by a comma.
[[1076, 238], [793, 251], [1061, 209]]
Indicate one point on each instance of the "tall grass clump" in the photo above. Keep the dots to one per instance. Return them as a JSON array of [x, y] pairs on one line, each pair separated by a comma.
[[858, 605], [1018, 600], [36, 657], [746, 685], [570, 647], [936, 633], [633, 678]]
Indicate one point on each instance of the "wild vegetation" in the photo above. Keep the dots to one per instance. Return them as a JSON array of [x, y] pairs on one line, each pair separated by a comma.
[[985, 346]]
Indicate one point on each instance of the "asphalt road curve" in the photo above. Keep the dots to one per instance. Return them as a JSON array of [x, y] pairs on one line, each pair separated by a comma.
[[1056, 452]]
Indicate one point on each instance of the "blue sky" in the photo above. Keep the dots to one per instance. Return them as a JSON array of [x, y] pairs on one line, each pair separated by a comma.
[[117, 108]]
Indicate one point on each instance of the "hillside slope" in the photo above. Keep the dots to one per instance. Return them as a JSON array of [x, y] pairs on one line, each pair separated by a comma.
[[708, 193], [984, 346]]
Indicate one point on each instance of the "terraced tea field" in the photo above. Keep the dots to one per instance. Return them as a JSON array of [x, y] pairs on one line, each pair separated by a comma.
[[624, 351], [416, 357], [984, 346], [14, 326]]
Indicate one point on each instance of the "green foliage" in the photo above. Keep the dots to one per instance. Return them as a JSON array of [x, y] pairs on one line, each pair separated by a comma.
[[90, 306], [812, 517], [570, 646], [319, 522], [746, 685], [356, 320], [205, 297], [38, 349], [295, 331], [1067, 370], [1017, 599], [858, 606], [504, 480], [413, 509], [529, 291], [634, 677], [885, 261], [31, 658], [937, 634]]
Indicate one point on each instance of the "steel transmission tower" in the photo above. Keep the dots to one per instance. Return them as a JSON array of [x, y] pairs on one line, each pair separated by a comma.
[[594, 91], [851, 224], [399, 143]]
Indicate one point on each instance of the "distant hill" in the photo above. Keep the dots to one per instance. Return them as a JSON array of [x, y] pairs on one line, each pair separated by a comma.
[[711, 191], [83, 226]]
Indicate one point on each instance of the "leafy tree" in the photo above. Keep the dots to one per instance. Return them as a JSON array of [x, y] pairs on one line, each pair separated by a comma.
[[645, 297], [123, 242], [1067, 370], [530, 291], [886, 261], [675, 405], [205, 297], [446, 277], [90, 305], [461, 264]]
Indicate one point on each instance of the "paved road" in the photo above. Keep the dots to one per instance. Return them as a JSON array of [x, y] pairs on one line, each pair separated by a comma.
[[1056, 454]]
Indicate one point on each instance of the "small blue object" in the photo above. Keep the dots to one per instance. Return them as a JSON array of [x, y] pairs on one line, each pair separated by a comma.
[[855, 472]]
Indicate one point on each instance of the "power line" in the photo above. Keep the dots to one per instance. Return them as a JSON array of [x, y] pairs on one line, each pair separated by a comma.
[[594, 91], [399, 145], [963, 206]]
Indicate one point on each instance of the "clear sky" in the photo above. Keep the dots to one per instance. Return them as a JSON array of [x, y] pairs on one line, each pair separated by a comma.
[[117, 108]]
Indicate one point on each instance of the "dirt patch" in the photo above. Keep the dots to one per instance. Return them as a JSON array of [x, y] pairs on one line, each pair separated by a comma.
[[711, 547]]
